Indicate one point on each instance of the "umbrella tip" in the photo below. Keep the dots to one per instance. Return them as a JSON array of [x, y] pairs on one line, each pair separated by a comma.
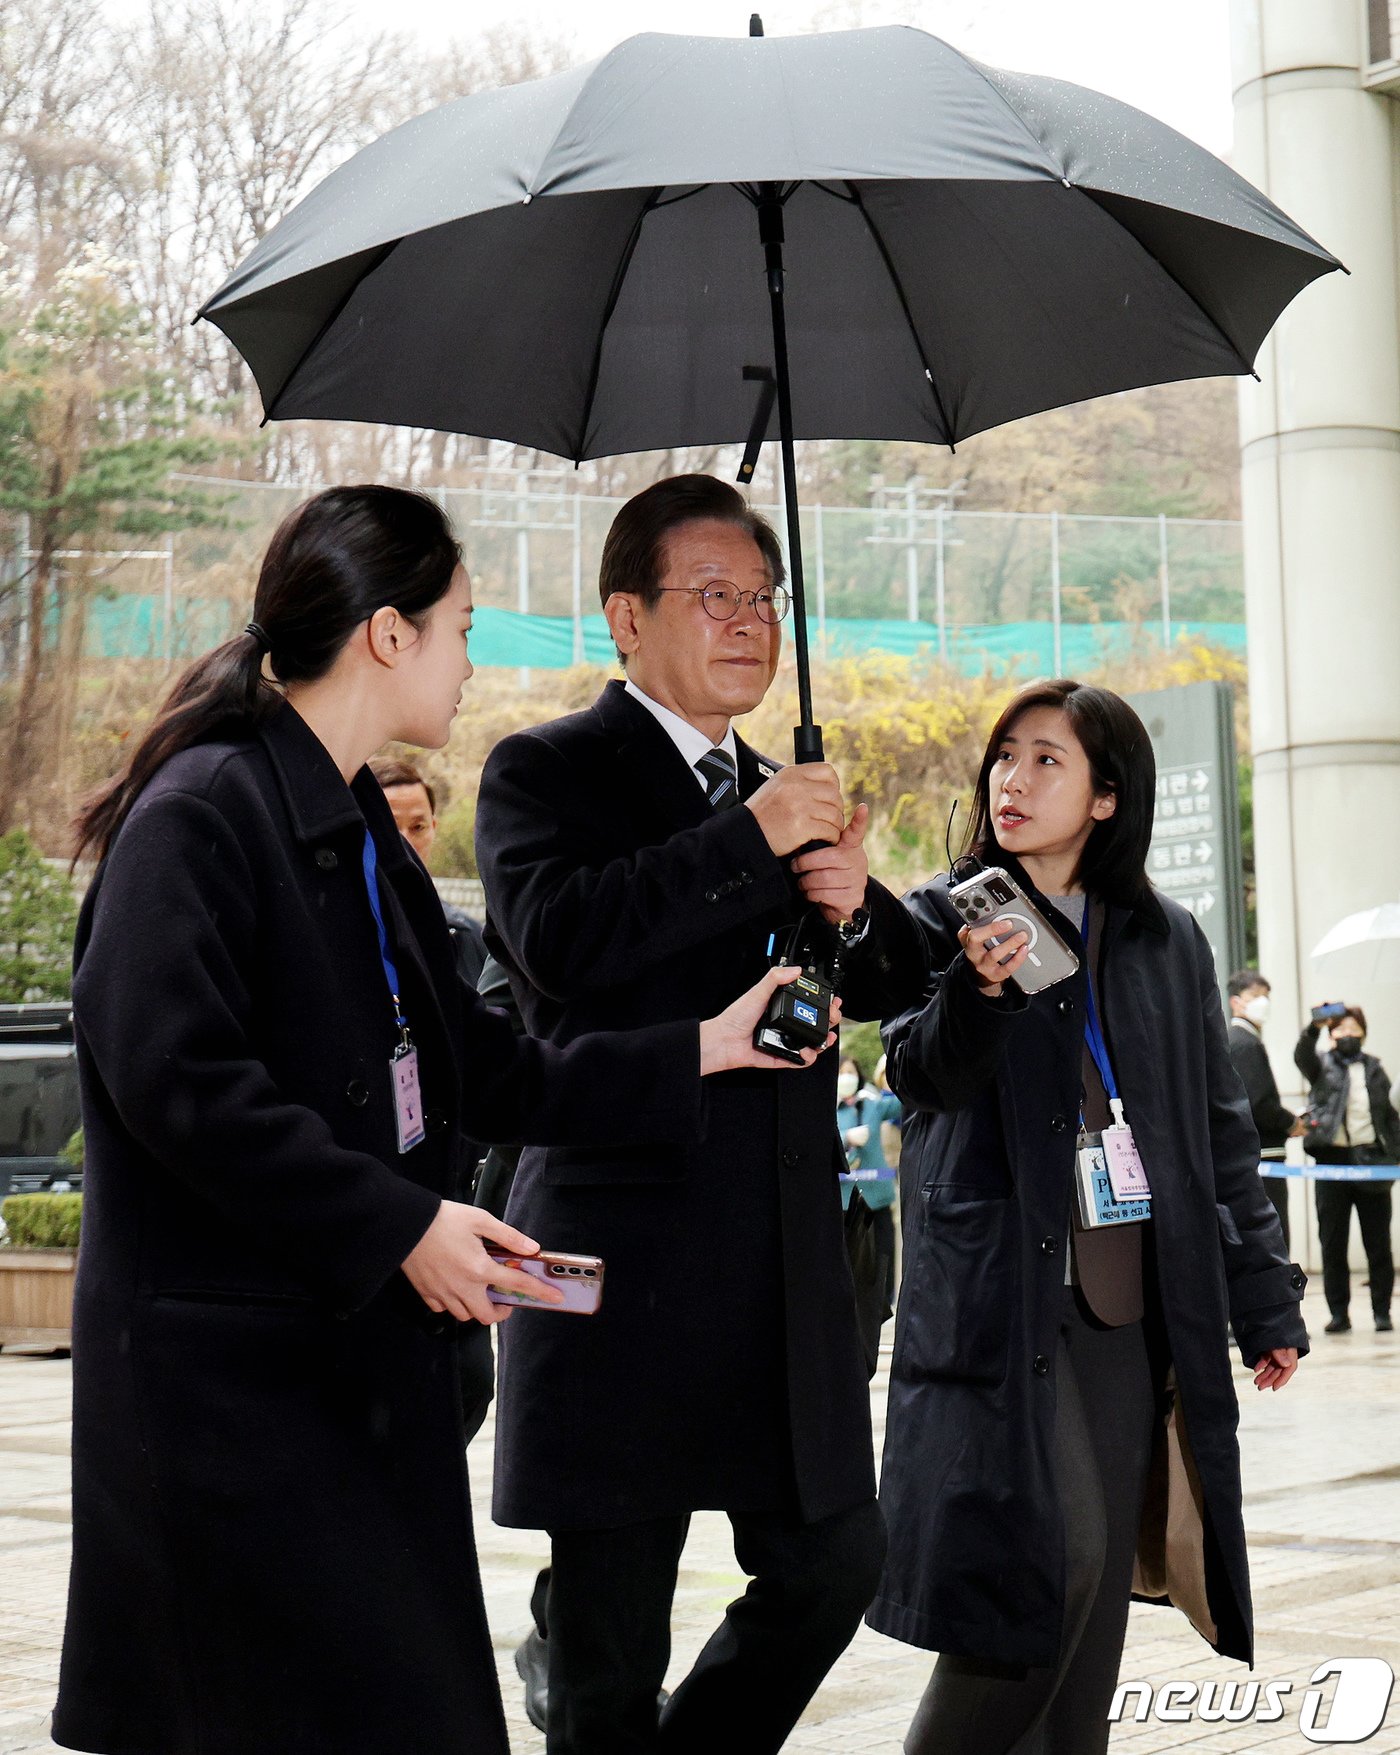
[[755, 25]]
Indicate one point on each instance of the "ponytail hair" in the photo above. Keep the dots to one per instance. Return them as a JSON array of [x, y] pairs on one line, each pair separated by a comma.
[[332, 563]]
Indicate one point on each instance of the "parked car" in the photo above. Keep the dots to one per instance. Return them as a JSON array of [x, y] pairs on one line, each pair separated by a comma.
[[39, 1110]]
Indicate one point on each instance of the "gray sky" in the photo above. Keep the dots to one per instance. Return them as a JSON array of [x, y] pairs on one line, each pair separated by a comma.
[[1169, 57]]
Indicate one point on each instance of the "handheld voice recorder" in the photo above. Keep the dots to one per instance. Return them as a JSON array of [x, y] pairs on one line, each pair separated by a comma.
[[799, 1014]]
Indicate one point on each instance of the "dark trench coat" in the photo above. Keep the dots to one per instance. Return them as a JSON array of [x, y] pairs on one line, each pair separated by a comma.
[[273, 1548], [976, 1563], [725, 1368]]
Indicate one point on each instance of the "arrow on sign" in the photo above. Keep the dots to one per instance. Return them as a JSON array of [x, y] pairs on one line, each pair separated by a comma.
[[1200, 780], [1205, 903], [1203, 852]]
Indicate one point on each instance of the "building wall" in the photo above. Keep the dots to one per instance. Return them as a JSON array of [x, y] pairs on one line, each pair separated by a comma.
[[1320, 457]]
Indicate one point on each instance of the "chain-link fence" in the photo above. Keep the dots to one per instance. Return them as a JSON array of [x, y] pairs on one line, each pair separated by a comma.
[[1051, 590]]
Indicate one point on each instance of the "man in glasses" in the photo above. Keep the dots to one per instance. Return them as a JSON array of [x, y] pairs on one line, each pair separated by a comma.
[[638, 857]]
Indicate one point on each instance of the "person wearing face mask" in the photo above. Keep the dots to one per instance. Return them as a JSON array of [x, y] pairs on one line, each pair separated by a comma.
[[1249, 1010], [1353, 1121], [861, 1111]]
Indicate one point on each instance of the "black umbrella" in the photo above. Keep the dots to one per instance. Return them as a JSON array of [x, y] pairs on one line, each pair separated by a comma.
[[571, 264]]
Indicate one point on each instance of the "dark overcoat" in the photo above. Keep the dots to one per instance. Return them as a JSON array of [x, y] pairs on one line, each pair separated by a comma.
[[1251, 1062], [725, 1369], [272, 1534], [976, 1562]]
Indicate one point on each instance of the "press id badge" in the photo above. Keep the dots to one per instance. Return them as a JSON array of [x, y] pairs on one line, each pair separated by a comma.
[[408, 1098], [1105, 1163], [1110, 1181], [1125, 1167]]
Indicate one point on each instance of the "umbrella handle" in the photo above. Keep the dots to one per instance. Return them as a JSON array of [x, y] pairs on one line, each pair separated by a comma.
[[807, 743]]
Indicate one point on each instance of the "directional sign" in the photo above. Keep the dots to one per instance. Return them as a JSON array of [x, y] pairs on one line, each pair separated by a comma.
[[1195, 852]]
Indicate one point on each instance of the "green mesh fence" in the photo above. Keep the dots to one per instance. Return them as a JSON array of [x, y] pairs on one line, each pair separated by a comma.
[[981, 588]]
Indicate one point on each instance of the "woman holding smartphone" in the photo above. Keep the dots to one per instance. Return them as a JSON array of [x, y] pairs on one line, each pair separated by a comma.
[[1057, 1389], [272, 1531]]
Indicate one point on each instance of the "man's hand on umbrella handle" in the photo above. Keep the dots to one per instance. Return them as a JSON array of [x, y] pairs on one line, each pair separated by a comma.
[[799, 805], [834, 879]]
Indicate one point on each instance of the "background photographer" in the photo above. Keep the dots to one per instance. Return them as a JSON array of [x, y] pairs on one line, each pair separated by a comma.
[[1353, 1121]]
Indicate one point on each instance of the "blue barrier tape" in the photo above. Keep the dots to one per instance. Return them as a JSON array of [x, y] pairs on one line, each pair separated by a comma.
[[1334, 1172], [867, 1176]]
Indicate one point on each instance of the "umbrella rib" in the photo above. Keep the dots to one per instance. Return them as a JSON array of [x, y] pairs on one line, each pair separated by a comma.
[[685, 195], [1062, 172], [333, 317], [1246, 366], [895, 282], [615, 293]]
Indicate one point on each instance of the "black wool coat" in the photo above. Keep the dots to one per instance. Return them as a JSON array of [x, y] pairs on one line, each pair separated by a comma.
[[273, 1547], [976, 1564], [724, 1369], [1251, 1062]]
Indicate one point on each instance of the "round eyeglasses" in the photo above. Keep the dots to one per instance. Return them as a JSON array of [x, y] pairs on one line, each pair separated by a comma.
[[723, 601]]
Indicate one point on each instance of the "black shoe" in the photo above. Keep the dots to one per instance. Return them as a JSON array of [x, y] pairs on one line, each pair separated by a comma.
[[1383, 1323], [1339, 1325], [532, 1667]]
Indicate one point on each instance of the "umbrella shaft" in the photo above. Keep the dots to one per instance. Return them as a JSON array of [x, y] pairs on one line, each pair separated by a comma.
[[807, 737]]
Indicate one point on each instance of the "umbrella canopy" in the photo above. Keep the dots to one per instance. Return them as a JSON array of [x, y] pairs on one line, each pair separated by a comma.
[[574, 264], [1364, 947], [564, 264]]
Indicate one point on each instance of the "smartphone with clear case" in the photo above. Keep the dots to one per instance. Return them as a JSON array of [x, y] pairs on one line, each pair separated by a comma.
[[995, 895]]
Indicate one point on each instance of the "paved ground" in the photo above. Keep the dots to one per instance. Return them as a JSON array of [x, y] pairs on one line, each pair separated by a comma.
[[1322, 1475]]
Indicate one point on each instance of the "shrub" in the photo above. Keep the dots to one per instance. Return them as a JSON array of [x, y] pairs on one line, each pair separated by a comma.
[[37, 917], [905, 734], [862, 1043], [42, 1221], [454, 851]]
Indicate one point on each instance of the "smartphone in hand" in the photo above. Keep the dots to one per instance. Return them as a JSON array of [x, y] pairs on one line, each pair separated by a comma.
[[578, 1277], [1328, 1013], [995, 895]]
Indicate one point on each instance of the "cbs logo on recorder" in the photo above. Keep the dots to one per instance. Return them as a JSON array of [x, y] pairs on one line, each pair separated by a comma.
[[1359, 1701]]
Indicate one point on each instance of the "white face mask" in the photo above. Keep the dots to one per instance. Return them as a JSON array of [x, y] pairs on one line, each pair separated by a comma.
[[847, 1084], [1257, 1011]]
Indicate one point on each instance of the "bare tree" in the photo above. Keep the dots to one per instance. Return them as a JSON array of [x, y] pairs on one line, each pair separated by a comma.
[[61, 167]]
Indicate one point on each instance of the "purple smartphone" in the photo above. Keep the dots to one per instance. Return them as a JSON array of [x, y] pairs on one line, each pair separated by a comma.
[[578, 1277]]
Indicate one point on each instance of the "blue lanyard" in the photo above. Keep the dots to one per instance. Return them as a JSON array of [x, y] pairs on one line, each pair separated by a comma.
[[390, 971], [1093, 1036]]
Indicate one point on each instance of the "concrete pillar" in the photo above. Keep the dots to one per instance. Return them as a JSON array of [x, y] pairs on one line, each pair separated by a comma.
[[1320, 452]]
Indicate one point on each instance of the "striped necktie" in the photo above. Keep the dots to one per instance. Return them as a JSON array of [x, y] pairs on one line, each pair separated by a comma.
[[716, 769]]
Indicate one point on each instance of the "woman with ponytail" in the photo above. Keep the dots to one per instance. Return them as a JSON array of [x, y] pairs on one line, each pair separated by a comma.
[[272, 1534]]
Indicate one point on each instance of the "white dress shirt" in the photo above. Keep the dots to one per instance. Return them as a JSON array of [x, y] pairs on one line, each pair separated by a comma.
[[691, 743], [1358, 1127]]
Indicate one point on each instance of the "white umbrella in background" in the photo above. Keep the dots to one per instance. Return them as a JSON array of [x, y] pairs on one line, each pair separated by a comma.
[[1364, 947]]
